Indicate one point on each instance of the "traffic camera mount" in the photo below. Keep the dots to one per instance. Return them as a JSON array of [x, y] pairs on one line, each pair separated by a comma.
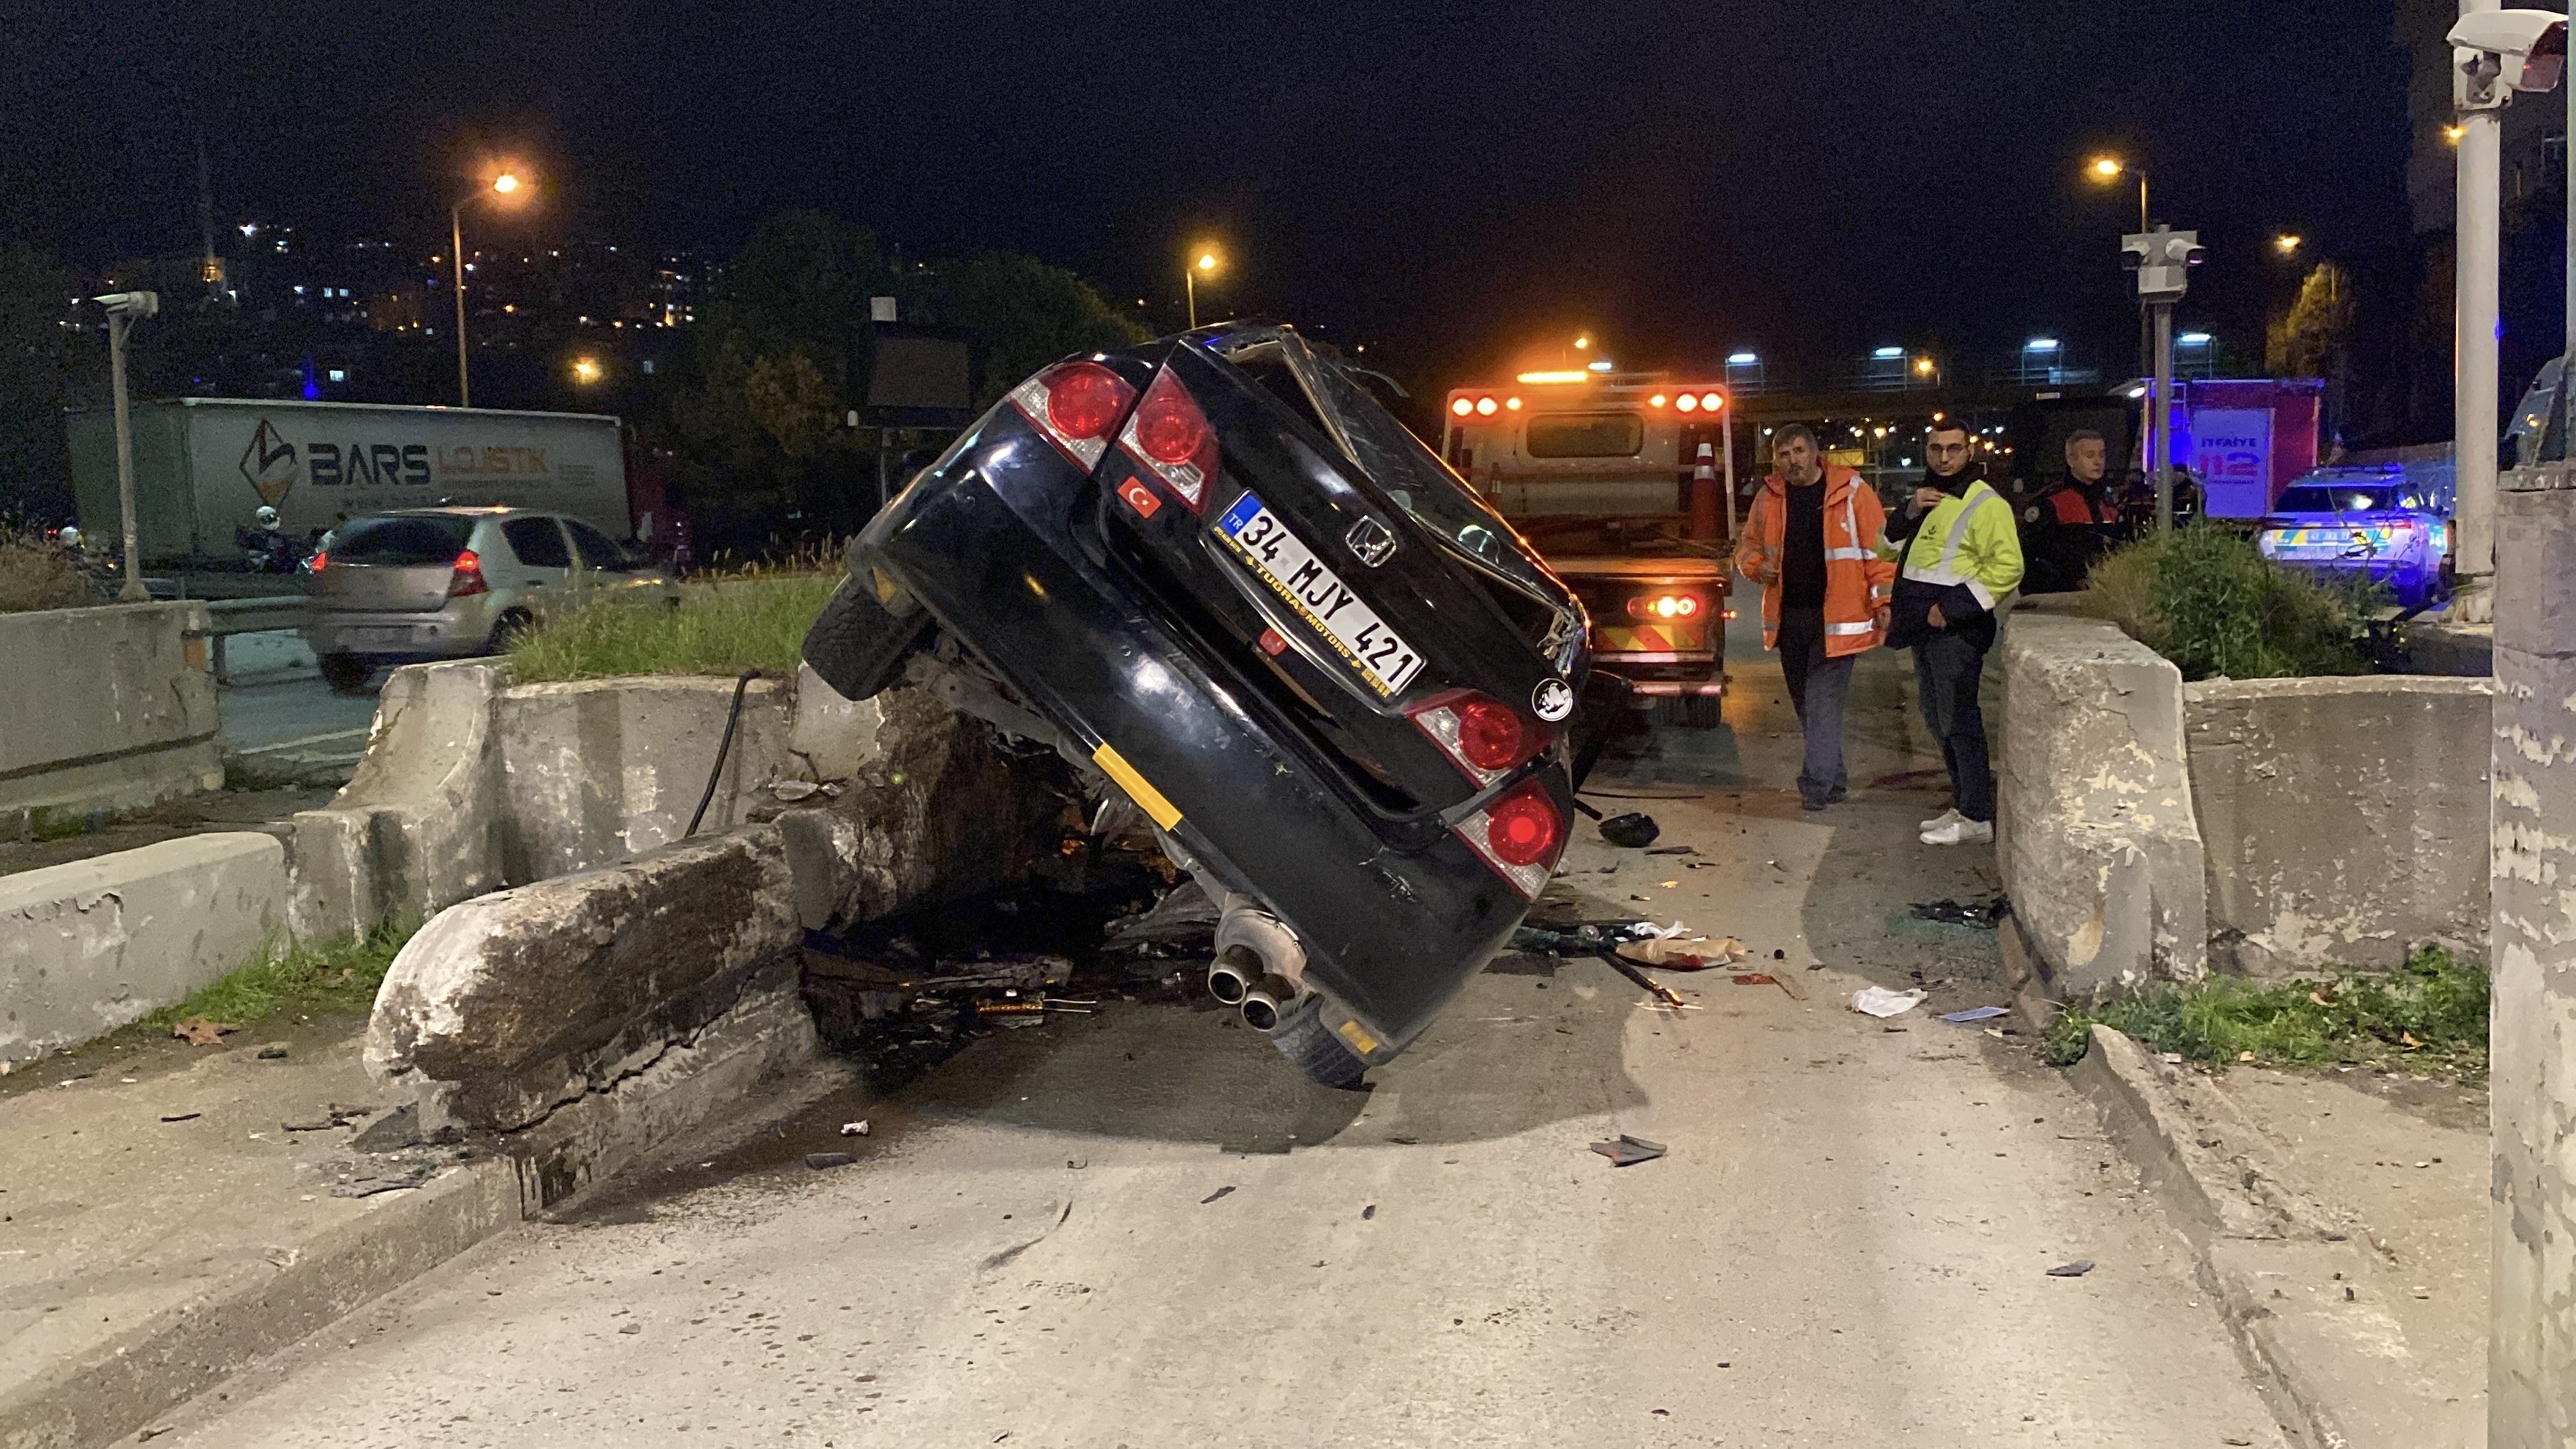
[[2163, 260], [2500, 52]]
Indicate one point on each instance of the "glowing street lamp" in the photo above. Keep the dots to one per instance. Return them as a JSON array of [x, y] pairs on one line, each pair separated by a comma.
[[510, 187], [585, 370], [2287, 243], [2107, 169], [1204, 262]]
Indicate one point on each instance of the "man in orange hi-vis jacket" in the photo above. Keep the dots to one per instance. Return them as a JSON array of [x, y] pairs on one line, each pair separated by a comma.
[[1812, 543]]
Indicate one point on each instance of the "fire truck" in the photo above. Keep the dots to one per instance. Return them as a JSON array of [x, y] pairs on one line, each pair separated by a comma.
[[1624, 482]]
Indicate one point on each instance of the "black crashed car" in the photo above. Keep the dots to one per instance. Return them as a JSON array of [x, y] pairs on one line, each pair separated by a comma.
[[1215, 571]]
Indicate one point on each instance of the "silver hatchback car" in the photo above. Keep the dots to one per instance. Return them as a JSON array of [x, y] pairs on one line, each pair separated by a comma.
[[449, 583]]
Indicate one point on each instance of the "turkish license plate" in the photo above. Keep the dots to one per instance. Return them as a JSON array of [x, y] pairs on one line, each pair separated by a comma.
[[1294, 573]]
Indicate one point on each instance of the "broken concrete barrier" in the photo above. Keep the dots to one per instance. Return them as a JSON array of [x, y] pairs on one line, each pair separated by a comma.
[[88, 946], [508, 1006], [2096, 836]]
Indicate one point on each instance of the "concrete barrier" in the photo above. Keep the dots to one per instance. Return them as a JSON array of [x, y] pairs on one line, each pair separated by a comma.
[[89, 946], [2096, 836], [108, 709], [471, 784], [2345, 819]]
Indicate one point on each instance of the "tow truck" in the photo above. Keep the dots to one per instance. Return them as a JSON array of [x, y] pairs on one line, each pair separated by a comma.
[[1625, 483]]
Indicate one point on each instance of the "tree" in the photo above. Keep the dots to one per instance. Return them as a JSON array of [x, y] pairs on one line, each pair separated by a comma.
[[2312, 338], [40, 359], [1021, 314]]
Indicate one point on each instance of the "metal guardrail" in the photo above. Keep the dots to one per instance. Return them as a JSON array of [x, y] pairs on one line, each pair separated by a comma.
[[227, 617]]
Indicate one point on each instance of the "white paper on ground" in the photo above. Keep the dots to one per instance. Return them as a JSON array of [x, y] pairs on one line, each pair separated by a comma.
[[1879, 1001]]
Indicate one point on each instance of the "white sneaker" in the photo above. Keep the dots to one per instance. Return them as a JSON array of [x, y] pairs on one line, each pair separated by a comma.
[[1937, 821], [1961, 831]]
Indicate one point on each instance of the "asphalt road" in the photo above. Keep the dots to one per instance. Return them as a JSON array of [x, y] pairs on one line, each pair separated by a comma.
[[1139, 1229], [277, 698]]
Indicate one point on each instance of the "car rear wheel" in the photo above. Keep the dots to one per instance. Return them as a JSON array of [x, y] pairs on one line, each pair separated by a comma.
[[859, 643], [511, 629], [1302, 1037], [345, 673]]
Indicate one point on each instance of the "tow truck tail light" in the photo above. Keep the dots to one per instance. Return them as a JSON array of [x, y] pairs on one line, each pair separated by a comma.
[[1518, 835], [1075, 404], [1666, 608], [466, 579], [1170, 436], [1480, 736]]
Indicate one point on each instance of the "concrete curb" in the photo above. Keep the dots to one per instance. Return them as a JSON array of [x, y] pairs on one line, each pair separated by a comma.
[[2304, 1303], [262, 1306]]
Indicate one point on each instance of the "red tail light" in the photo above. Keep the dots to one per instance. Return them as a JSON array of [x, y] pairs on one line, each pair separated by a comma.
[[1075, 404], [1169, 435], [467, 578], [320, 559], [1482, 737], [1519, 836]]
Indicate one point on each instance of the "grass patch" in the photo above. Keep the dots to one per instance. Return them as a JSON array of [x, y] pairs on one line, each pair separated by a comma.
[[304, 981], [35, 575], [2429, 1017], [755, 621], [2208, 600]]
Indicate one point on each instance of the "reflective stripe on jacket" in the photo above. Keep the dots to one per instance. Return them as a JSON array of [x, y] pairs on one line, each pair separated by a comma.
[[1859, 572], [1964, 557]]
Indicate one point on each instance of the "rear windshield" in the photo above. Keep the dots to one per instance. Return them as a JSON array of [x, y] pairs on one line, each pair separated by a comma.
[[400, 541], [2345, 498], [1587, 435]]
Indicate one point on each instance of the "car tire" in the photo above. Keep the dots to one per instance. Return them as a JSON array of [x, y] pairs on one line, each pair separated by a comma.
[[510, 630], [857, 644], [1302, 1037], [345, 673]]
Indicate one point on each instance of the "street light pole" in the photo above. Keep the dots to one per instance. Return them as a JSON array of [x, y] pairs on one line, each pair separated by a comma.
[[1190, 284], [2479, 223], [122, 309], [456, 235], [2160, 426]]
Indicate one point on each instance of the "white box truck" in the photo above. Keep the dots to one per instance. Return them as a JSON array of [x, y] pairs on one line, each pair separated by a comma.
[[203, 466]]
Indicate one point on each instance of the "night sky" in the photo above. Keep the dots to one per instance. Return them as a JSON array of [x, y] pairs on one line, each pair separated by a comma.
[[1449, 183]]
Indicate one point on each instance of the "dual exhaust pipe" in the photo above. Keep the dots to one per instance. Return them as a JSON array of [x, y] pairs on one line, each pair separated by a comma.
[[1257, 964]]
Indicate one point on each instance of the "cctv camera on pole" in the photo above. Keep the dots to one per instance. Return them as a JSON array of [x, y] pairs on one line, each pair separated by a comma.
[[122, 310], [2495, 53], [2163, 260]]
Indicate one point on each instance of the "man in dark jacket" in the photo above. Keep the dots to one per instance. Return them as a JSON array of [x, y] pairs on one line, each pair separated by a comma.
[[2072, 521]]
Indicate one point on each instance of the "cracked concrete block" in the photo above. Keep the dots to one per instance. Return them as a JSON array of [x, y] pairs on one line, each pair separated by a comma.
[[2096, 836], [833, 737], [596, 771], [416, 827], [943, 809], [2345, 819], [91, 945], [507, 1006]]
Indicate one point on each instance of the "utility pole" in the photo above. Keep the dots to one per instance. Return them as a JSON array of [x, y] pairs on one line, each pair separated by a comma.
[[456, 253], [2163, 259], [122, 309], [2478, 251]]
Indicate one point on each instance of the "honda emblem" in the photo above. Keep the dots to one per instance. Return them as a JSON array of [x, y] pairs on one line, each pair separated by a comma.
[[1371, 542]]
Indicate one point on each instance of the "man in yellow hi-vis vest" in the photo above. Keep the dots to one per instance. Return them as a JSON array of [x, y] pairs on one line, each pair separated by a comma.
[[1958, 555]]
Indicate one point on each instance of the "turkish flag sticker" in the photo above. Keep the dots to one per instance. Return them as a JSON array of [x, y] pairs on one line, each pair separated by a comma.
[[1139, 497]]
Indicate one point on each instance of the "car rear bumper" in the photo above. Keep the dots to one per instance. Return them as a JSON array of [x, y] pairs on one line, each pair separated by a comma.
[[449, 633]]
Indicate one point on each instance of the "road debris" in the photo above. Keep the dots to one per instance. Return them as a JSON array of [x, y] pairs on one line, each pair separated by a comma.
[[2076, 1269], [1634, 830], [1628, 1151], [1211, 1197], [824, 1161], [1368, 1213], [1879, 1001], [855, 1129], [1975, 1013], [1756, 978], [1984, 915], [183, 1117], [369, 1186], [198, 1031], [333, 1115], [273, 1052]]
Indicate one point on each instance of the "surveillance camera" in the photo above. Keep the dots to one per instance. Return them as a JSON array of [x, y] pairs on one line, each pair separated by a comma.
[[2162, 260], [130, 304], [2525, 50]]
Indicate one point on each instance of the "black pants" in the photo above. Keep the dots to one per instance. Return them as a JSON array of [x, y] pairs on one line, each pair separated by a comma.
[[1818, 686], [1949, 668]]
